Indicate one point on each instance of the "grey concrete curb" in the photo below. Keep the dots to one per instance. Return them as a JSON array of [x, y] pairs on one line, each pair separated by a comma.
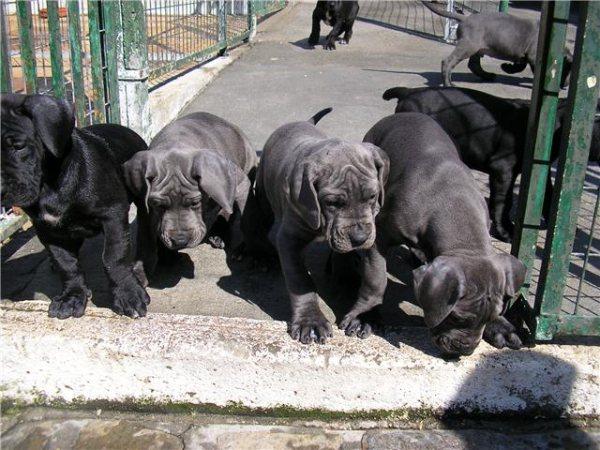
[[194, 360]]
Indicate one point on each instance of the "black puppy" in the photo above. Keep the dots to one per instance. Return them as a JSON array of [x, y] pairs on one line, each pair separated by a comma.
[[338, 14], [498, 35], [489, 132], [68, 180]]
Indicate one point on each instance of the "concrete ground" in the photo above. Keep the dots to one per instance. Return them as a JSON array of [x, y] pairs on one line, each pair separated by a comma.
[[275, 81], [178, 360]]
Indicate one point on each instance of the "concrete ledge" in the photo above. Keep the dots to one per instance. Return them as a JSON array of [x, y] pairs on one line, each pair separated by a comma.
[[193, 360]]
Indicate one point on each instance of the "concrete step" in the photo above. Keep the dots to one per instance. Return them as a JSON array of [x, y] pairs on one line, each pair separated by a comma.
[[240, 365]]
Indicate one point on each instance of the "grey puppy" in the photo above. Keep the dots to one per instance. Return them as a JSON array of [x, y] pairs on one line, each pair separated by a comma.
[[433, 206], [195, 170], [317, 188], [498, 35]]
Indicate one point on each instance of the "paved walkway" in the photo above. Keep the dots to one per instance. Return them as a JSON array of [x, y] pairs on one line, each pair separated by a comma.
[[38, 428]]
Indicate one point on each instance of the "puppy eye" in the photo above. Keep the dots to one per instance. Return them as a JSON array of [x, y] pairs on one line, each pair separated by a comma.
[[195, 202], [157, 202], [335, 202]]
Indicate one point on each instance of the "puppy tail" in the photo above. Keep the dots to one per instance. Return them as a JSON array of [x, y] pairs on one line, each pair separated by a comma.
[[396, 92], [318, 116], [440, 11]]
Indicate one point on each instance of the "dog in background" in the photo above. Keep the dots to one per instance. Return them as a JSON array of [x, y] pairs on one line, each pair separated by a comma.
[[498, 35], [69, 182], [433, 205], [340, 15], [489, 133], [196, 170]]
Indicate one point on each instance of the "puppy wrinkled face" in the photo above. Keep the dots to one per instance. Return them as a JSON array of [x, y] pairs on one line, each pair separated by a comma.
[[180, 212], [349, 204], [22, 155], [460, 333]]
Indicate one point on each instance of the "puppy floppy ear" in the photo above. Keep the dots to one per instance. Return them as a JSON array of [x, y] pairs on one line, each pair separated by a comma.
[[304, 194], [53, 120], [438, 286], [218, 177], [382, 164], [514, 273], [140, 172]]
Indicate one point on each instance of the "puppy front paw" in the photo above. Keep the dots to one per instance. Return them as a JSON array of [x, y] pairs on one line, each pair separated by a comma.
[[502, 233], [130, 299], [342, 42], [361, 326], [311, 328], [216, 242], [330, 45], [501, 333], [70, 303]]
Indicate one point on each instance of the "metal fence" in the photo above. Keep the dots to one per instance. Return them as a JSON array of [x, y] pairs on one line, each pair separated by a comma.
[[564, 260], [182, 34], [56, 47], [411, 16]]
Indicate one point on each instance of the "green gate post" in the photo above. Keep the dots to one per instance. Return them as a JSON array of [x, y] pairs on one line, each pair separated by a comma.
[[96, 61], [572, 166], [251, 20], [540, 131], [5, 70], [503, 7], [28, 61], [111, 13], [133, 68], [222, 23], [56, 60], [76, 61]]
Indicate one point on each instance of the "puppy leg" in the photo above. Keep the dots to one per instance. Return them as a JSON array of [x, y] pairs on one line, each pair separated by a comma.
[[129, 297], [333, 35], [475, 67], [373, 271], [315, 33], [460, 53], [236, 242], [308, 322], [347, 33], [501, 200], [146, 245], [515, 67], [73, 299], [501, 333]]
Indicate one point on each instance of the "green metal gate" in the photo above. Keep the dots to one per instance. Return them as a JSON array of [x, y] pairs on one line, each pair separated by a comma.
[[59, 47], [564, 280]]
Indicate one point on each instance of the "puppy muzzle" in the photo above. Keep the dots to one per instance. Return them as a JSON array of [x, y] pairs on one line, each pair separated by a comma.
[[353, 237], [180, 239]]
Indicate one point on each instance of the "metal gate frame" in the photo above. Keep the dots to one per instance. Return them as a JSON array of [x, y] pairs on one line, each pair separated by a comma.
[[549, 321]]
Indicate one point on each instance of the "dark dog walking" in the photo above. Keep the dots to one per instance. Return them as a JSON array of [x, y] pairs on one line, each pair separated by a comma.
[[313, 187], [498, 35], [340, 15], [489, 133], [69, 182], [433, 205]]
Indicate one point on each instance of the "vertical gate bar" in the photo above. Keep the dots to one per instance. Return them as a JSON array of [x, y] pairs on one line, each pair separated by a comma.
[[503, 6], [540, 131], [56, 60], [76, 60], [96, 61], [27, 46], [572, 163], [222, 14], [112, 27], [5, 70], [588, 248], [251, 19]]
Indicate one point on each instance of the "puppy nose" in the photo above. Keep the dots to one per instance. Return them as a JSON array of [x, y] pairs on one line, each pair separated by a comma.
[[179, 239], [359, 235]]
